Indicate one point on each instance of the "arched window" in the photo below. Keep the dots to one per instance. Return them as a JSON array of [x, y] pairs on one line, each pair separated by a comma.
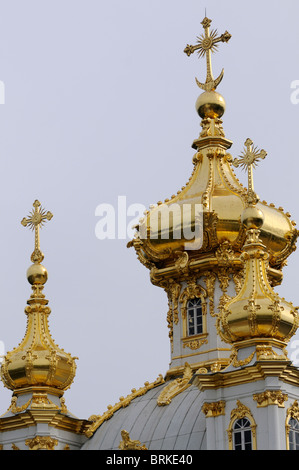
[[242, 429], [242, 435], [194, 317], [293, 434]]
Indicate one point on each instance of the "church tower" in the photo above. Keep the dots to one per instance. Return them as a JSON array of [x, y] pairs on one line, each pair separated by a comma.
[[38, 371], [218, 252], [192, 243]]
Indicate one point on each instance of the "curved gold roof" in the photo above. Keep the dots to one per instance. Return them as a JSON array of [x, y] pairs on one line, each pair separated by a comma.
[[216, 192], [206, 212]]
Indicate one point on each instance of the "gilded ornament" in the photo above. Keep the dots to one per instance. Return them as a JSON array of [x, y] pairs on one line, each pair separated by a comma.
[[265, 352], [207, 43], [240, 412], [128, 444], [175, 387], [214, 409], [41, 443], [248, 160], [210, 279], [35, 220], [18, 409], [240, 363], [293, 411], [195, 343], [270, 397], [173, 291]]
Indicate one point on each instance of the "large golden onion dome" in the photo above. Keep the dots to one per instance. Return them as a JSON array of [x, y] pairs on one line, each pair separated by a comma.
[[206, 213], [37, 363]]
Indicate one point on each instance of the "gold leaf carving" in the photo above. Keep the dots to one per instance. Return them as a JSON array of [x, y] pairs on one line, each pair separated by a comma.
[[211, 410], [265, 352], [210, 279], [270, 397], [195, 343], [293, 411], [41, 442], [128, 444], [175, 387]]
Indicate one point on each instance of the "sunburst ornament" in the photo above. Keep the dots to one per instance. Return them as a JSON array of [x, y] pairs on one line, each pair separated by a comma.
[[206, 44]]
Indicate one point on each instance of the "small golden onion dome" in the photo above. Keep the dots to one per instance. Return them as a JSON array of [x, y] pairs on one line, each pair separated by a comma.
[[210, 104], [257, 312], [37, 361]]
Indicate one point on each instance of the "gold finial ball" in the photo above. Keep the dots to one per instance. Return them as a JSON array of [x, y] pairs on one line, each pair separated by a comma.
[[210, 104], [252, 217], [37, 274]]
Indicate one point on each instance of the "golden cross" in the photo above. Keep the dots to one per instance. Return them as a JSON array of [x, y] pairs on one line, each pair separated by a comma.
[[248, 160], [207, 43], [35, 221]]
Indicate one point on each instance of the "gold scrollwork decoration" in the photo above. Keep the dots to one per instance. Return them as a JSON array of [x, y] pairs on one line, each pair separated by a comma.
[[210, 279], [41, 443], [128, 444], [270, 397], [175, 387], [214, 409], [195, 343]]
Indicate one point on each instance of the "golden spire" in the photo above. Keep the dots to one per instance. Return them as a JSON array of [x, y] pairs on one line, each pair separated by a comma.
[[206, 44], [37, 363]]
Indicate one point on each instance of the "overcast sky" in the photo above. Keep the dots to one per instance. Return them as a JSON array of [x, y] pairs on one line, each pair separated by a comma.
[[99, 104]]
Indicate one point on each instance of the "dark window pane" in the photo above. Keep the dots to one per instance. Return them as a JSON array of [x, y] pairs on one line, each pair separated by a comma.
[[247, 436]]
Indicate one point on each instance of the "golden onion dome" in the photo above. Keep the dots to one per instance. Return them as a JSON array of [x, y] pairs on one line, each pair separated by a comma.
[[37, 362], [205, 214], [214, 196]]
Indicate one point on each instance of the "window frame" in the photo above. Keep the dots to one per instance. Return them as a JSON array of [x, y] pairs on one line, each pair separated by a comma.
[[241, 412], [198, 320]]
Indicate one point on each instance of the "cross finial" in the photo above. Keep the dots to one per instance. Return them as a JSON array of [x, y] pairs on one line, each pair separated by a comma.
[[207, 43], [248, 160], [35, 221]]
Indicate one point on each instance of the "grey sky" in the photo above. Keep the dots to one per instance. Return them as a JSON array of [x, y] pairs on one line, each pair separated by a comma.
[[99, 103]]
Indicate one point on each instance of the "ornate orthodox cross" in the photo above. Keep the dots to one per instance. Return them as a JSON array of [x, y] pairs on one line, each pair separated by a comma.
[[207, 43], [248, 160], [35, 221]]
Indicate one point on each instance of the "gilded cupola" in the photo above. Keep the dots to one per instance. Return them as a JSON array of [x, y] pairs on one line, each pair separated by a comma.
[[205, 214], [37, 363], [256, 314]]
